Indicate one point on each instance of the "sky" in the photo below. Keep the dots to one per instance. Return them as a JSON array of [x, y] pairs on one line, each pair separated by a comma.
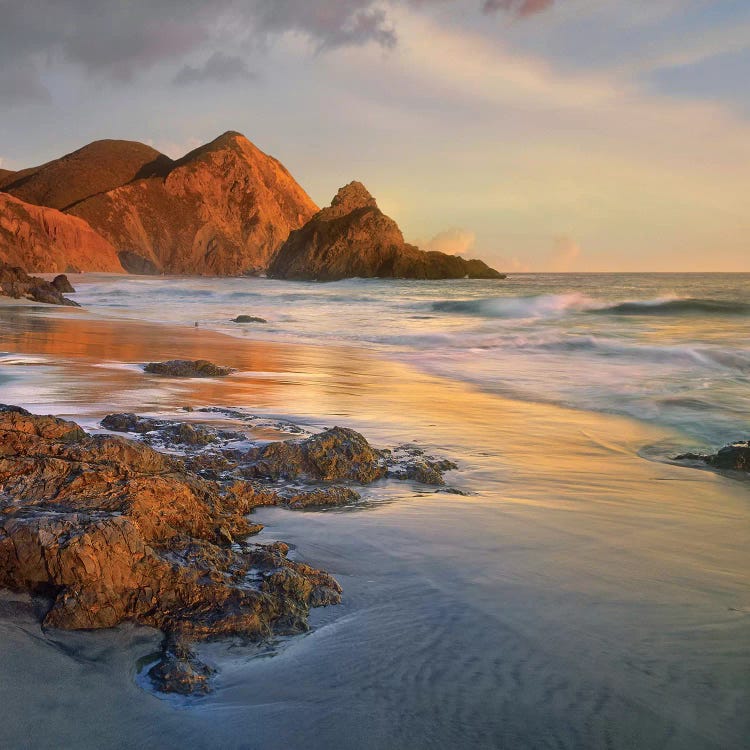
[[539, 135]]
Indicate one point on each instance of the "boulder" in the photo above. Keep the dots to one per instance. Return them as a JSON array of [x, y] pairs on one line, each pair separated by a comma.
[[16, 283]]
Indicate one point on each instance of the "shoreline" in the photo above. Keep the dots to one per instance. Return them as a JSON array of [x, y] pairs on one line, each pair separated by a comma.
[[569, 537]]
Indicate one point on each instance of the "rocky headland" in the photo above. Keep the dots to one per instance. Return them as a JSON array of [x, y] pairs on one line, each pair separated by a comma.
[[224, 209], [354, 238], [155, 528]]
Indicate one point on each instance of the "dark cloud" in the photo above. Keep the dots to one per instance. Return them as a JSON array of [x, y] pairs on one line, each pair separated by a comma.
[[219, 68], [120, 38]]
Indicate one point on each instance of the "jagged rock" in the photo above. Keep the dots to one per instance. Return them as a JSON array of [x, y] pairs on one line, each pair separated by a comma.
[[16, 283], [335, 454], [187, 368], [248, 319], [111, 530], [733, 457], [62, 284], [353, 237]]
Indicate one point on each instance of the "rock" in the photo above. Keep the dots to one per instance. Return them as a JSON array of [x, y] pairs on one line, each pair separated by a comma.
[[62, 284], [169, 433], [733, 457], [321, 497], [354, 238], [186, 368], [335, 454], [248, 319], [223, 209], [44, 240], [137, 264], [423, 470], [16, 283], [113, 531]]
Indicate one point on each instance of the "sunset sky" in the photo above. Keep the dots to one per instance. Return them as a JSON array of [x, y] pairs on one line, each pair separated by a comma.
[[571, 135]]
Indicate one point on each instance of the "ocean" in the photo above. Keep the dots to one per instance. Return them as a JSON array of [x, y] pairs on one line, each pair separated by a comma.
[[673, 349]]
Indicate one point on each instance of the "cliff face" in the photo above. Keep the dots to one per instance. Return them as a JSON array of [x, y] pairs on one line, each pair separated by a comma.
[[223, 209], [96, 168], [44, 240], [354, 238]]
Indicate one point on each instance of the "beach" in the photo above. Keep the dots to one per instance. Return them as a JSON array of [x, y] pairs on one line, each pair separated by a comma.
[[581, 594]]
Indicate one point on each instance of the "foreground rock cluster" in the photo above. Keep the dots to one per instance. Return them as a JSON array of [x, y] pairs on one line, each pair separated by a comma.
[[110, 529], [16, 283]]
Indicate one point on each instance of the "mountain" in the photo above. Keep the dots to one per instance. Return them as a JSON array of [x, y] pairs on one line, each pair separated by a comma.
[[353, 237], [223, 209], [96, 168], [44, 240], [5, 174]]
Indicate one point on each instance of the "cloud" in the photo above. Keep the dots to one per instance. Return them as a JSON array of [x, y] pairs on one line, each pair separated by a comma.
[[454, 241], [520, 8], [119, 40], [564, 254], [219, 68]]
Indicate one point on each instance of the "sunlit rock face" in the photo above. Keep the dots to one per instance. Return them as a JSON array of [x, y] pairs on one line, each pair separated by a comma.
[[44, 240], [354, 238], [223, 209]]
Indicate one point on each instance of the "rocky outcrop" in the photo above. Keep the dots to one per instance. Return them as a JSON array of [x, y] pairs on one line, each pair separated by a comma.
[[110, 530], [44, 240], [353, 238], [187, 368], [733, 457], [96, 168], [223, 209], [16, 283]]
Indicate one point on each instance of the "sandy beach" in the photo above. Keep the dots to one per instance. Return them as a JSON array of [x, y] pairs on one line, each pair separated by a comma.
[[579, 595]]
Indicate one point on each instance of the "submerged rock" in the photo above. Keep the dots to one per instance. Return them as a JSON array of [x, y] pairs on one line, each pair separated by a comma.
[[248, 319], [187, 368], [112, 530], [16, 283], [733, 457]]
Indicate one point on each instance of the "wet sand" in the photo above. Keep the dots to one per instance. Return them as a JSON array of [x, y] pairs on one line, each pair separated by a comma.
[[581, 596]]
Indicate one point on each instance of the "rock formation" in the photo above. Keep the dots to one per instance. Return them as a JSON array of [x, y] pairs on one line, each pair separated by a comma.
[[111, 530], [44, 240], [16, 283], [223, 209], [733, 457], [354, 238], [108, 529]]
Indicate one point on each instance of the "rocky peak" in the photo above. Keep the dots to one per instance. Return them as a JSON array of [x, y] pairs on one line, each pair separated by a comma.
[[350, 198]]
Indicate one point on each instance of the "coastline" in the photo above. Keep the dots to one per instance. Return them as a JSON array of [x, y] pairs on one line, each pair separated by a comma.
[[583, 532]]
